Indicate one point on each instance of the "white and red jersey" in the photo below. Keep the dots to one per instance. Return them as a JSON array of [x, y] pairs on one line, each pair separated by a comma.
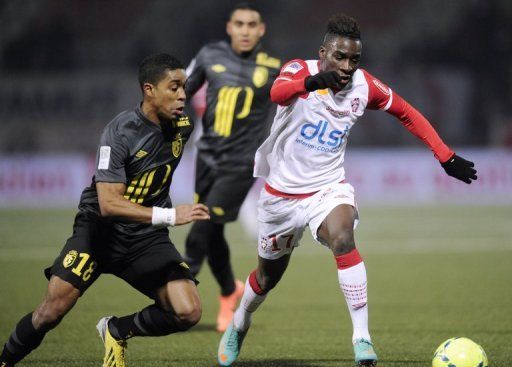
[[306, 146]]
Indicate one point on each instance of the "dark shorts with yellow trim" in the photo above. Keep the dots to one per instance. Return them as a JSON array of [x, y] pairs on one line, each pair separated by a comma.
[[222, 192], [145, 261]]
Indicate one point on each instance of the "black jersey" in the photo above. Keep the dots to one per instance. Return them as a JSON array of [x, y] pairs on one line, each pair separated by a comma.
[[237, 103], [142, 155]]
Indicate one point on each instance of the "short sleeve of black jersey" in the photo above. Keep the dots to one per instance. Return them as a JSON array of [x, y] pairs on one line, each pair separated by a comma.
[[196, 73], [110, 157]]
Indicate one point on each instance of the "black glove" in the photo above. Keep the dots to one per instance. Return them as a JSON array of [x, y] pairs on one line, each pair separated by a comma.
[[460, 168], [327, 79]]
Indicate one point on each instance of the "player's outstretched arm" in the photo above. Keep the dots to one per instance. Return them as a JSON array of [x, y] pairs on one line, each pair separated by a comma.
[[113, 204], [381, 97], [418, 125], [460, 168]]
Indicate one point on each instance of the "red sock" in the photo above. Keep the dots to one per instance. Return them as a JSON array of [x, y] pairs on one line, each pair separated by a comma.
[[348, 260], [253, 282]]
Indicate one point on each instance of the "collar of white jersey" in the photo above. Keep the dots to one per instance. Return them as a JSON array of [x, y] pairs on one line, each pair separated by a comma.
[[313, 66]]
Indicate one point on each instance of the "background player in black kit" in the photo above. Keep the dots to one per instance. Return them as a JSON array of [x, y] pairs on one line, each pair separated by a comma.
[[239, 77], [121, 225]]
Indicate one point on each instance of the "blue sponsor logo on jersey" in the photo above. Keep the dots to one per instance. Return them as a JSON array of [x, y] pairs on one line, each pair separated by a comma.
[[319, 132]]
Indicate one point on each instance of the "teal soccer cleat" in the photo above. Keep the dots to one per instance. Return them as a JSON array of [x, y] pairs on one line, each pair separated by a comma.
[[364, 353], [230, 345]]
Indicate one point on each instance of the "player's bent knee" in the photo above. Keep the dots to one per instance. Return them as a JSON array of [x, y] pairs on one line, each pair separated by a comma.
[[50, 313], [56, 304], [342, 243], [61, 296], [188, 317]]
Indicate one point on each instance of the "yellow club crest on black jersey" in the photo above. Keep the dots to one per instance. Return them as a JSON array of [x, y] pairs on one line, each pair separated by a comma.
[[219, 68], [70, 258], [260, 76], [177, 145]]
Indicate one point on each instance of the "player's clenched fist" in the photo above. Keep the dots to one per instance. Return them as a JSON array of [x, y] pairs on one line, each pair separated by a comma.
[[327, 79], [191, 212]]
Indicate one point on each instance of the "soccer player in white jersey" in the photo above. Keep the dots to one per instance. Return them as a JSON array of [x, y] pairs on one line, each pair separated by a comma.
[[302, 163]]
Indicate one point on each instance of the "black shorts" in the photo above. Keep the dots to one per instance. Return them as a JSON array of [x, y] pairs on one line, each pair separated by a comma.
[[145, 261], [222, 192]]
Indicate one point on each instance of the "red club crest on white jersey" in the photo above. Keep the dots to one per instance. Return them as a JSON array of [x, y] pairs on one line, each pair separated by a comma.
[[355, 104]]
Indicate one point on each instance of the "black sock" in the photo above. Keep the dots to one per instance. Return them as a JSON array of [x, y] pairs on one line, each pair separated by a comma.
[[24, 339], [207, 238], [196, 246], [219, 261], [151, 321]]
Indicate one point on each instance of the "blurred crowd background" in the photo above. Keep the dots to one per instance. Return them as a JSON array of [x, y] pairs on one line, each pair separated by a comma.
[[69, 66]]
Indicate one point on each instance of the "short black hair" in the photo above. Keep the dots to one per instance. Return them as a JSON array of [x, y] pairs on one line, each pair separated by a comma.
[[153, 67], [245, 6], [341, 25]]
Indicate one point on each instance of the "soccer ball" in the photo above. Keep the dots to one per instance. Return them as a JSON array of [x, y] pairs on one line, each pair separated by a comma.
[[459, 352]]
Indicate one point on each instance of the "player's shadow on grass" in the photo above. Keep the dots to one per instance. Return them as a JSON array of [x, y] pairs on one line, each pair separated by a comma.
[[199, 328], [316, 362], [404, 363], [286, 362]]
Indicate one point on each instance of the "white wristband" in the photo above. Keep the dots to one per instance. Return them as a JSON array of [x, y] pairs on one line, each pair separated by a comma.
[[163, 216]]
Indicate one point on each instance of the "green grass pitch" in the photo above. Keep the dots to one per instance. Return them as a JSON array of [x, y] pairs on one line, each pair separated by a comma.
[[434, 273]]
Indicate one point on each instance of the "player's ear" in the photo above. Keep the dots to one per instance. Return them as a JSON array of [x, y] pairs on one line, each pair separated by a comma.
[[228, 28], [322, 52], [147, 88], [262, 29]]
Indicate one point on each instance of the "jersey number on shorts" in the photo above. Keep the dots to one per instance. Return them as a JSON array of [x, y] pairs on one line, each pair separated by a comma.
[[79, 269], [145, 184], [226, 106]]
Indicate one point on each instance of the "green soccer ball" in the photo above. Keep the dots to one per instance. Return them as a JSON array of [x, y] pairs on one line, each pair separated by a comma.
[[459, 352]]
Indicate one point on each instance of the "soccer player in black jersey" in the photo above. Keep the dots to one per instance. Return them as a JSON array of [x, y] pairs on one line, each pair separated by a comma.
[[239, 76], [121, 225]]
